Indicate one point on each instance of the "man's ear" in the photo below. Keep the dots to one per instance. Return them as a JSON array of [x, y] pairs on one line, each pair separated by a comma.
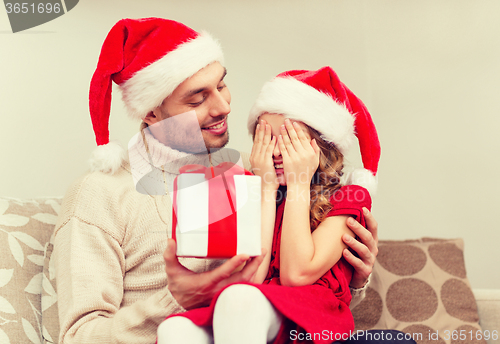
[[152, 117]]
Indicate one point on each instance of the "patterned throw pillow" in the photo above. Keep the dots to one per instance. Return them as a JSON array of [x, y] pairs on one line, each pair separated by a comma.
[[50, 316], [26, 227], [420, 287]]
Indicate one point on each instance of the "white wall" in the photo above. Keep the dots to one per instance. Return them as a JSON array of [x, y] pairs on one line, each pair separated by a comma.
[[427, 70]]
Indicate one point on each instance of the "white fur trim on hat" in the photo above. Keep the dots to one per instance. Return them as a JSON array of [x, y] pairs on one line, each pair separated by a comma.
[[297, 100], [364, 178], [148, 87], [107, 158]]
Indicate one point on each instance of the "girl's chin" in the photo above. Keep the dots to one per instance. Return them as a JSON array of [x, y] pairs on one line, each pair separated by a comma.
[[281, 179]]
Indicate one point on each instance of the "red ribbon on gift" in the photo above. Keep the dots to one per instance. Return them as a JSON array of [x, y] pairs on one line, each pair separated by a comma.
[[222, 222]]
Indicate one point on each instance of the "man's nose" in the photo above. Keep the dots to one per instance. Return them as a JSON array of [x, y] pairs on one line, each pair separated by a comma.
[[220, 106]]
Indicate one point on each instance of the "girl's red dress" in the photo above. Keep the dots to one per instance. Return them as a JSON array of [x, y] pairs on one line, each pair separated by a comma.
[[319, 311]]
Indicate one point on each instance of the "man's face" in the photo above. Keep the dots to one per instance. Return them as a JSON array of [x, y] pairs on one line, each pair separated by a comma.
[[205, 93]]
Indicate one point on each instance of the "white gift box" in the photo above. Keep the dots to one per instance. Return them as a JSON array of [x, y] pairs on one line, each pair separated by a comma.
[[217, 215]]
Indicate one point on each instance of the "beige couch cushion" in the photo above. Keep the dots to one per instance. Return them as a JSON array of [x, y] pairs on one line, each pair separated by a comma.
[[488, 307], [421, 287], [25, 231]]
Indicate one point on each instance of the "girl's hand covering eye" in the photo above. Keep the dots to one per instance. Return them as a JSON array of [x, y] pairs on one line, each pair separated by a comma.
[[261, 156], [300, 155]]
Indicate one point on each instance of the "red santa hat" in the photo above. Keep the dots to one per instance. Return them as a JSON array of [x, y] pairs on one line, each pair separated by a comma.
[[148, 58], [320, 100]]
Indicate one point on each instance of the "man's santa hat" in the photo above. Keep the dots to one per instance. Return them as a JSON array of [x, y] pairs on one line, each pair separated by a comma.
[[320, 100], [148, 58]]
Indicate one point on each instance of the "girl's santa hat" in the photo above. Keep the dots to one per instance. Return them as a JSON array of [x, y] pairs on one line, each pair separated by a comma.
[[320, 100], [148, 58]]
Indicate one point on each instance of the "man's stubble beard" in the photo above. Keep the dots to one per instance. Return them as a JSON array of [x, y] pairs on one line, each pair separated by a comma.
[[213, 148]]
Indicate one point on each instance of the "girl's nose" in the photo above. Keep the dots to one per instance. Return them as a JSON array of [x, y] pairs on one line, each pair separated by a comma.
[[276, 150]]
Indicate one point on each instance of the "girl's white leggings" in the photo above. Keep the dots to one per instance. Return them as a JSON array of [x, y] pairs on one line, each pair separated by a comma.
[[242, 314]]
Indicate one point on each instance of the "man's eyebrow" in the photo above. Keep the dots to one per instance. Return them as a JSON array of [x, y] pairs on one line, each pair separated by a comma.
[[201, 89], [224, 74]]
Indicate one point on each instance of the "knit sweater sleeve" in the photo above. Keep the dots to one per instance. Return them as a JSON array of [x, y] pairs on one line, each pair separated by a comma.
[[358, 295], [92, 263], [90, 288]]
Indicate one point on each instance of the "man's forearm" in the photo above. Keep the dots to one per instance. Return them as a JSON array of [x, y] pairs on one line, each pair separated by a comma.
[[134, 324], [90, 267]]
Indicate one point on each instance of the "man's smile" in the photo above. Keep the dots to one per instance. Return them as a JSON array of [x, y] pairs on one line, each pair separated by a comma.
[[217, 128]]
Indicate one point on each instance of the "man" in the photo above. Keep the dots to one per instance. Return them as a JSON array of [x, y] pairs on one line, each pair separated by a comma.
[[110, 238]]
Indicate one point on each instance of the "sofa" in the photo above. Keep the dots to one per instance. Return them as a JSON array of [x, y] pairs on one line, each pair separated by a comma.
[[418, 286]]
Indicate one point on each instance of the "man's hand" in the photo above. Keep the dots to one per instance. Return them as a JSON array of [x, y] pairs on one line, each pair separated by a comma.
[[192, 290], [366, 248]]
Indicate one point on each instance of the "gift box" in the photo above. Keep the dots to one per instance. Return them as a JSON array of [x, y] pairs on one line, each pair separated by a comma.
[[216, 211]]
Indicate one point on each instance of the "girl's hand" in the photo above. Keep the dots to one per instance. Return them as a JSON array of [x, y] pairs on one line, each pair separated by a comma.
[[261, 157], [300, 155]]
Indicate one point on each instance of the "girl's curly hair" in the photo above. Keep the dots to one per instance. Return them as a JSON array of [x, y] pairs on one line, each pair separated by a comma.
[[326, 179]]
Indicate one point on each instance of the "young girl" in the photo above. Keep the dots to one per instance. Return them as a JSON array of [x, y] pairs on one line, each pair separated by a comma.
[[303, 122]]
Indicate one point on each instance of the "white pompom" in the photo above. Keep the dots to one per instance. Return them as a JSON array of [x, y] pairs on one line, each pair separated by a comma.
[[107, 158], [364, 178]]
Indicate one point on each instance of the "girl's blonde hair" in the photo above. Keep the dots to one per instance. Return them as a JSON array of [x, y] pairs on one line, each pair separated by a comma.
[[326, 179]]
